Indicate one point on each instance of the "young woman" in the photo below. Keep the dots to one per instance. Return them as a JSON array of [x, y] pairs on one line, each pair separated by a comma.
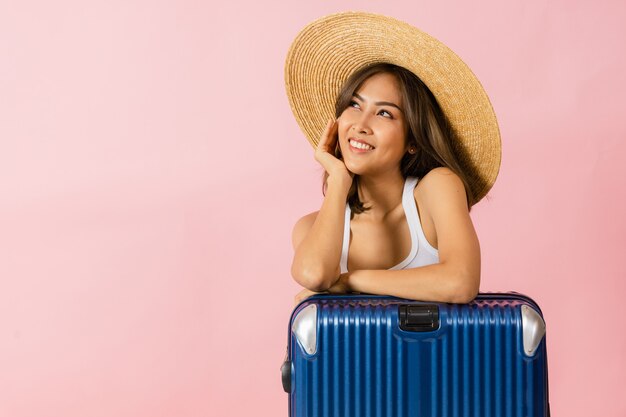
[[397, 196]]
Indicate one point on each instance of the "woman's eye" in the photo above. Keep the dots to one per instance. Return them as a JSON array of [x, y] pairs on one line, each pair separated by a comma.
[[356, 105]]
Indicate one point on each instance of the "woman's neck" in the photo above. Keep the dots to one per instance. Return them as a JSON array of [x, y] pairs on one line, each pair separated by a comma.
[[383, 193]]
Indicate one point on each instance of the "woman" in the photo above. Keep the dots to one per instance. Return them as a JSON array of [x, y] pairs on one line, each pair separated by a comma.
[[395, 216]]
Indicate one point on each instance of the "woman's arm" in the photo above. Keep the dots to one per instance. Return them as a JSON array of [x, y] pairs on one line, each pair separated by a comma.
[[317, 241], [318, 237], [456, 278], [437, 282]]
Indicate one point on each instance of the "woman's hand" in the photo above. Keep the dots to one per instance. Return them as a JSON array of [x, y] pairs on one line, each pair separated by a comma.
[[342, 286], [325, 155]]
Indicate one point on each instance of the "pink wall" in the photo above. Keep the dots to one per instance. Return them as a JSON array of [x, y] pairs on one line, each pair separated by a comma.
[[151, 172]]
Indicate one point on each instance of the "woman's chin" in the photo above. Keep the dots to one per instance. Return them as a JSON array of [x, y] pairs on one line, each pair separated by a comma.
[[354, 168]]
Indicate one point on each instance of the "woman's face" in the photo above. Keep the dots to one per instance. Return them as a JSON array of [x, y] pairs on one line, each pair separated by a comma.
[[372, 129]]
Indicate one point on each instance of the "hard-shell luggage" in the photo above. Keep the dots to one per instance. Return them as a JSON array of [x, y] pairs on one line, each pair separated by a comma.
[[366, 355]]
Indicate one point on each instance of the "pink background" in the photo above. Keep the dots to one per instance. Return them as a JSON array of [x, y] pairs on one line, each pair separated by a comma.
[[151, 172]]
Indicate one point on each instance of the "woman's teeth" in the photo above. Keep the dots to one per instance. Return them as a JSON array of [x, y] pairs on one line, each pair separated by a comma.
[[360, 145]]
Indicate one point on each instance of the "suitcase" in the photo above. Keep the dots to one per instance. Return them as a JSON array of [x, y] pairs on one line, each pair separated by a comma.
[[367, 355]]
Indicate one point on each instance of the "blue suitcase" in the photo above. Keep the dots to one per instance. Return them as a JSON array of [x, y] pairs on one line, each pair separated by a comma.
[[366, 355]]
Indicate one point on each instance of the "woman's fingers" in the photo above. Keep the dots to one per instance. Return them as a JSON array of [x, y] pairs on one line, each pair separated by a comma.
[[325, 154], [325, 142]]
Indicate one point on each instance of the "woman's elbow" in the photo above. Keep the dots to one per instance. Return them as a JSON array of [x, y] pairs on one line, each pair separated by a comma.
[[465, 289], [463, 297], [309, 279]]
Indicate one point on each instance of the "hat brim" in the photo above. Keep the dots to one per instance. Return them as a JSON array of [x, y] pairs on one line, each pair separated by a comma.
[[327, 51]]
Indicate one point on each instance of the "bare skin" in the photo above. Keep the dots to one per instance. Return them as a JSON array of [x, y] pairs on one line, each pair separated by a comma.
[[380, 236]]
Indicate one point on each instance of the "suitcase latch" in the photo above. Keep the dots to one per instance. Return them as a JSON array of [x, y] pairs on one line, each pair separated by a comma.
[[418, 317]]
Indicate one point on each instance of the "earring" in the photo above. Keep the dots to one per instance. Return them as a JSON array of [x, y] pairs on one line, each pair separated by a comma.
[[412, 150]]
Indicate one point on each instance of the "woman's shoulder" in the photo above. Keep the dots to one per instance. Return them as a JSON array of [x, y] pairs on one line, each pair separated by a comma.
[[440, 184], [302, 227]]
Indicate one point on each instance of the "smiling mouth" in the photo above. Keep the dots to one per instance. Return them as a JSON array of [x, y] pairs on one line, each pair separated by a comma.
[[360, 146]]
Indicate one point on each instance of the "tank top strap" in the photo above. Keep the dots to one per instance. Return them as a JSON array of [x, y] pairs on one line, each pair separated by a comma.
[[410, 213], [343, 263], [410, 208]]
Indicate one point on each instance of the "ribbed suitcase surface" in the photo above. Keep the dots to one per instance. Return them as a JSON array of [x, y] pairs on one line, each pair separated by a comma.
[[382, 356]]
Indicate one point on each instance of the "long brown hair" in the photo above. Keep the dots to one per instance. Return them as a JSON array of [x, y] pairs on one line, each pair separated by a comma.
[[428, 129]]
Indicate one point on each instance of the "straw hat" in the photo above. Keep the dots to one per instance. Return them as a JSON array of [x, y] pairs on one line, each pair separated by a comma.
[[328, 50]]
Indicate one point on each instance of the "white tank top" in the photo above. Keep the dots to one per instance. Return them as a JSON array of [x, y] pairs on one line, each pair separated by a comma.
[[421, 254]]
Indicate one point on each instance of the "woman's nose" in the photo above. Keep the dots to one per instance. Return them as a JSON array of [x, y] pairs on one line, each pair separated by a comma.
[[362, 124]]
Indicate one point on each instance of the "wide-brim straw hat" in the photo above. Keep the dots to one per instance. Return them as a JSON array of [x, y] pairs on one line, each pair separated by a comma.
[[327, 51]]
